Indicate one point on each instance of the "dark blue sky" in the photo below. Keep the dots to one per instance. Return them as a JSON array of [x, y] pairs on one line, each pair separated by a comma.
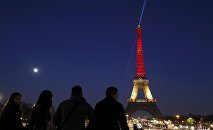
[[92, 43]]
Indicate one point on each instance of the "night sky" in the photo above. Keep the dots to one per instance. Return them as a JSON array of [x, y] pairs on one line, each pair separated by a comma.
[[92, 43]]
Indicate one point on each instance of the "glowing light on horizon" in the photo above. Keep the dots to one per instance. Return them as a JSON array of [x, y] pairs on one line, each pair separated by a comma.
[[1, 97]]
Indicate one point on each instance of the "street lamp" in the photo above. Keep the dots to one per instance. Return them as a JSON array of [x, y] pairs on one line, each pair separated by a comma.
[[127, 117], [177, 116]]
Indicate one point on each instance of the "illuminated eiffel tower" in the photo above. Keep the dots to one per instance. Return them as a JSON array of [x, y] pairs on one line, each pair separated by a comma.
[[148, 103]]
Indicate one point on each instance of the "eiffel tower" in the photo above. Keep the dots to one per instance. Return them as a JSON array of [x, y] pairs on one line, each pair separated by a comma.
[[148, 103]]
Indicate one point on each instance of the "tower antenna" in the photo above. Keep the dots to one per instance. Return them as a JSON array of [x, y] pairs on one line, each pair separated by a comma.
[[142, 12]]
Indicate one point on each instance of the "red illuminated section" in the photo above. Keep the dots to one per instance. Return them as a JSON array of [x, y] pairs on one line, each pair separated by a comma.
[[140, 69]]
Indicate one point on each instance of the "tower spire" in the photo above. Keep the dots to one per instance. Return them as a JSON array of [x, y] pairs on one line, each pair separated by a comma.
[[140, 68]]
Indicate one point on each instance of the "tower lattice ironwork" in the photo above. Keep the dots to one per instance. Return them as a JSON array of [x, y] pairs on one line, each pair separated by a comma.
[[148, 103], [140, 68]]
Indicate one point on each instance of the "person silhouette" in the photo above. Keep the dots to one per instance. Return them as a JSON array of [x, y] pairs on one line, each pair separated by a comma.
[[10, 117], [110, 114], [40, 118], [71, 113]]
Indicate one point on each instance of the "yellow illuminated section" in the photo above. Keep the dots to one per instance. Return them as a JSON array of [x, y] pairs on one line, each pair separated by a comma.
[[134, 94], [141, 84]]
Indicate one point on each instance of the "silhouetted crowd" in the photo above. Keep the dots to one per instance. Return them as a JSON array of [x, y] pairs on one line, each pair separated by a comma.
[[108, 114]]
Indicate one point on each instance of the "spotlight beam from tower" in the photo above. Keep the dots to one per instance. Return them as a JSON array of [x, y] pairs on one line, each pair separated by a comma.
[[142, 12]]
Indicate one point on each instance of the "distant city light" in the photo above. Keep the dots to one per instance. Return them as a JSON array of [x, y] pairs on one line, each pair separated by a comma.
[[35, 70], [192, 128]]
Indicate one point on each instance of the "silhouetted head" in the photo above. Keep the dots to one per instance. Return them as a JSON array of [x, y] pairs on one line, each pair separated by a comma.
[[77, 91], [14, 99], [41, 110], [112, 92], [45, 99]]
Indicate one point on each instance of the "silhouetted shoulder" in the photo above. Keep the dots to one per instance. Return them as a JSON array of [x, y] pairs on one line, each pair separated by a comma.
[[64, 102]]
